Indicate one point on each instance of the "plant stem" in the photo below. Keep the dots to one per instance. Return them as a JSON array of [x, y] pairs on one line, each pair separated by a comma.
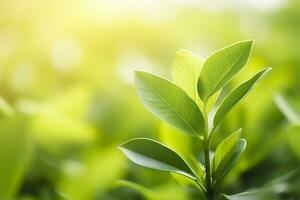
[[206, 156]]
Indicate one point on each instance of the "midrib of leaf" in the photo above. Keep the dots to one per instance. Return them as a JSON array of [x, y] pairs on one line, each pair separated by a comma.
[[173, 108], [226, 74], [164, 165]]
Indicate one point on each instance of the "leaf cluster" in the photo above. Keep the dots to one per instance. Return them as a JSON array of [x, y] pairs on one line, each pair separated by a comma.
[[192, 102]]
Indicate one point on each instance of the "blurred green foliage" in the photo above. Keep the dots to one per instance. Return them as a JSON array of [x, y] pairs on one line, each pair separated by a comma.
[[66, 71]]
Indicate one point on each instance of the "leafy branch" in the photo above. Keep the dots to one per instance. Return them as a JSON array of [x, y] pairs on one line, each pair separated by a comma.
[[186, 103]]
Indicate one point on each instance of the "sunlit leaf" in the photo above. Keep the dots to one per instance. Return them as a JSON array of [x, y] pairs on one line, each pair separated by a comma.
[[237, 95], [169, 102], [151, 154], [226, 155], [220, 67], [186, 70]]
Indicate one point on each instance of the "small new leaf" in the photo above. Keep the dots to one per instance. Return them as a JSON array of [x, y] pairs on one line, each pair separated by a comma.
[[237, 95], [221, 67], [226, 155], [151, 154], [169, 102]]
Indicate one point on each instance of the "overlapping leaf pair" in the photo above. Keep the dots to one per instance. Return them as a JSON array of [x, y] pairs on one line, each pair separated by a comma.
[[186, 103]]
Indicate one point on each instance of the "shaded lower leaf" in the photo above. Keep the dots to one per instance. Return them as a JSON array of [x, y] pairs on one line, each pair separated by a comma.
[[257, 194], [225, 147], [288, 185], [226, 155], [151, 154]]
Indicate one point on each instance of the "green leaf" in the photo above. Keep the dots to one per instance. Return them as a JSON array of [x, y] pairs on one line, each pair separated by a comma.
[[221, 67], [225, 147], [287, 184], [237, 95], [169, 102], [16, 151], [226, 155], [198, 170], [256, 194], [293, 136], [186, 70], [287, 109], [151, 154]]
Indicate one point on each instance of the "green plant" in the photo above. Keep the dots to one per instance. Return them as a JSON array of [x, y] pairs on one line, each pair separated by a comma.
[[193, 104]]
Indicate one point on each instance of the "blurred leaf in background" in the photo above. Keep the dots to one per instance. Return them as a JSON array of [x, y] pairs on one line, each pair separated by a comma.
[[16, 151]]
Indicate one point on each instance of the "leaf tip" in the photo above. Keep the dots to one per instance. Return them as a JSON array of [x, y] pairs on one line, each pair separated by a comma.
[[138, 73], [121, 148], [238, 133], [247, 42], [268, 69], [243, 142]]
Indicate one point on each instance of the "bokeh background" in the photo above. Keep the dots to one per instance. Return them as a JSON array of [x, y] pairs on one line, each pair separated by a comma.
[[68, 97]]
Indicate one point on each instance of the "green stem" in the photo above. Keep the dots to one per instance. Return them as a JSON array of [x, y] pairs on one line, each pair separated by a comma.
[[207, 157]]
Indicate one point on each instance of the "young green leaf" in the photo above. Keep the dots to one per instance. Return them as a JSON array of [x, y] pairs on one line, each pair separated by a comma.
[[227, 153], [225, 147], [237, 95], [186, 70], [230, 159], [169, 102], [221, 67], [151, 154]]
